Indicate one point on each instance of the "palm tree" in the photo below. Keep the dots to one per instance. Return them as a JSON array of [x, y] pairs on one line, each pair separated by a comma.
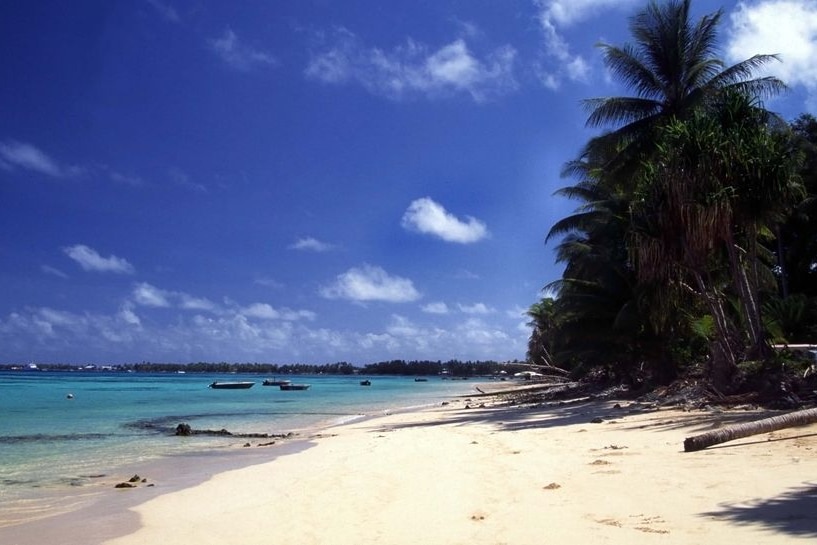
[[542, 326], [673, 69], [716, 181]]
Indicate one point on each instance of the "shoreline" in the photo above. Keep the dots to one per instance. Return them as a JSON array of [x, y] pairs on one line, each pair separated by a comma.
[[498, 474], [61, 513]]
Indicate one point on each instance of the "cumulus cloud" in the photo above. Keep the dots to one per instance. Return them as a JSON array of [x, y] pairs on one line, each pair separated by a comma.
[[28, 157], [414, 69], [428, 217], [784, 27], [239, 55], [265, 311], [553, 17], [370, 283], [90, 260], [150, 296], [311, 244], [435, 308]]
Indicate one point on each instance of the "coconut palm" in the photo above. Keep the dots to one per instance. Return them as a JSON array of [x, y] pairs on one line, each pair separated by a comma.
[[673, 69]]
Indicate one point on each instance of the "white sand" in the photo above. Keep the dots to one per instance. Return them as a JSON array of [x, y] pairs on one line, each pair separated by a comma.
[[507, 476]]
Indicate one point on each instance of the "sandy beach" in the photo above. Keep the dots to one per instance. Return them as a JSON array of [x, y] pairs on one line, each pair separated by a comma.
[[499, 475]]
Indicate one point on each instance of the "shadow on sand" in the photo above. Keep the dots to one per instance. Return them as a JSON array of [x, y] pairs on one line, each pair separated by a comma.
[[793, 512]]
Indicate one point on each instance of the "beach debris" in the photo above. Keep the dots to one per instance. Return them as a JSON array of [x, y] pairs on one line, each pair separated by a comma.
[[599, 463], [615, 447], [552, 486], [245, 445], [444, 403], [739, 431], [597, 420]]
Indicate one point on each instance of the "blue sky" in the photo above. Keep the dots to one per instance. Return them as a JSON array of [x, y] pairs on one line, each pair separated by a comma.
[[304, 180]]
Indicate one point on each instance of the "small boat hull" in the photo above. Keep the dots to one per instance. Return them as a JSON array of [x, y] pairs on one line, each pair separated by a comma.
[[365, 382], [231, 385], [288, 387], [275, 382]]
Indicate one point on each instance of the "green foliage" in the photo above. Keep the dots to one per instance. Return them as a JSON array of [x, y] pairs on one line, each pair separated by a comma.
[[666, 257]]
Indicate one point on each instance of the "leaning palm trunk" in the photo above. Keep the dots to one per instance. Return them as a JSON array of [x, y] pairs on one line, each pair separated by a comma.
[[723, 361], [738, 431], [759, 348]]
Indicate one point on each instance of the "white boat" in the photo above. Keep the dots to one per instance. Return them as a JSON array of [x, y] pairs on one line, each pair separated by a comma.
[[231, 385]]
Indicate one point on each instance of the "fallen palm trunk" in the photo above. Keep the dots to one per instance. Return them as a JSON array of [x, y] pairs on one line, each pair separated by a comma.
[[738, 431]]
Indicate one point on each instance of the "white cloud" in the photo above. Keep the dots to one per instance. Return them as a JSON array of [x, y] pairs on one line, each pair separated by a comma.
[[435, 308], [181, 178], [476, 308], [188, 302], [369, 283], [238, 55], [28, 157], [268, 282], [90, 260], [150, 296], [428, 217], [128, 316], [166, 11], [127, 179], [311, 244], [553, 17], [784, 27], [414, 69], [47, 269], [261, 310]]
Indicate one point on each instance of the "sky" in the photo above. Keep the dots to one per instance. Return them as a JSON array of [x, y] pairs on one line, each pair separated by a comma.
[[305, 181]]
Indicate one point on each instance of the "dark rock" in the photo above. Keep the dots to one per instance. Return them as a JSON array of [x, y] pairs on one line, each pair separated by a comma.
[[184, 430], [135, 479], [597, 420], [125, 485]]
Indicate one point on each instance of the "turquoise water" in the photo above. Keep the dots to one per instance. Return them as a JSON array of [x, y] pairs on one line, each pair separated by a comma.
[[49, 441]]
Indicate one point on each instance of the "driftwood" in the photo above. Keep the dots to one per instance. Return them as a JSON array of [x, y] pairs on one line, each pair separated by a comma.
[[739, 431]]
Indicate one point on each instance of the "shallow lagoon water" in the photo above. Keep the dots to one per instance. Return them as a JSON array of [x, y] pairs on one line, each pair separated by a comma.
[[61, 429]]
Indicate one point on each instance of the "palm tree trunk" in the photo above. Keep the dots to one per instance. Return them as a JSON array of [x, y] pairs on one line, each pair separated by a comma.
[[723, 361], [738, 431], [759, 348]]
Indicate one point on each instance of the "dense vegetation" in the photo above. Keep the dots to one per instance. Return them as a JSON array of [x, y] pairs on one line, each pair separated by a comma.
[[694, 246]]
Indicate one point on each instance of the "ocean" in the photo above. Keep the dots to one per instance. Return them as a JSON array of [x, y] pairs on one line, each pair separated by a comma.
[[61, 431]]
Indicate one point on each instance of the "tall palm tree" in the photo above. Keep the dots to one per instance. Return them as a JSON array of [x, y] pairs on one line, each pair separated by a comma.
[[673, 69], [717, 181]]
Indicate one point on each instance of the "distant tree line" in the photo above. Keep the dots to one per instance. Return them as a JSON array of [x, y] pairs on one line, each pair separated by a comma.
[[454, 368]]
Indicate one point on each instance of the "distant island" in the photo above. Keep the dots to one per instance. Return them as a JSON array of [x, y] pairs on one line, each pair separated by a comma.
[[453, 368]]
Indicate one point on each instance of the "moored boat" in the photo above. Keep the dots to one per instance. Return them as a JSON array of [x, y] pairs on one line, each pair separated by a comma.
[[231, 385], [366, 382], [275, 382], [291, 386]]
